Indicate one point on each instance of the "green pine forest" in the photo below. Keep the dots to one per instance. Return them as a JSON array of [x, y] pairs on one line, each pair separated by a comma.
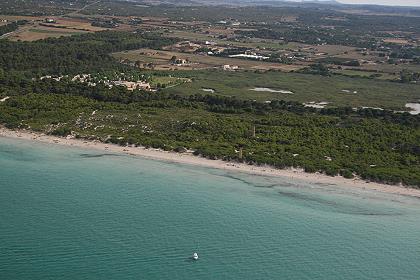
[[376, 145]]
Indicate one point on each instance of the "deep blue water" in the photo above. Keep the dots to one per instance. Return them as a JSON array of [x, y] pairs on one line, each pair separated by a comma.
[[68, 213]]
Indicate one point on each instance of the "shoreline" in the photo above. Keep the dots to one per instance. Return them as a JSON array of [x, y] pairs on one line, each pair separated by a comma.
[[190, 159]]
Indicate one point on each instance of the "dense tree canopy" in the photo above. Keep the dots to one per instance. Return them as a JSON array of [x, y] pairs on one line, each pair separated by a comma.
[[377, 145], [73, 54]]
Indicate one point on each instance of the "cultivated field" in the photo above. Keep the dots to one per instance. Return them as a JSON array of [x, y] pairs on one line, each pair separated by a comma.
[[161, 61], [37, 28]]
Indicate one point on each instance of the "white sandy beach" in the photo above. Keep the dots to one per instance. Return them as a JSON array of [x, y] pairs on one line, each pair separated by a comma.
[[189, 158]]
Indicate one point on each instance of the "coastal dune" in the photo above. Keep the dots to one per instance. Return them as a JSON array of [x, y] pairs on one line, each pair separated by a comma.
[[189, 158]]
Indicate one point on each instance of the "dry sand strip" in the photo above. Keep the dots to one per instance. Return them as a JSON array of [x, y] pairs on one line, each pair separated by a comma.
[[188, 158]]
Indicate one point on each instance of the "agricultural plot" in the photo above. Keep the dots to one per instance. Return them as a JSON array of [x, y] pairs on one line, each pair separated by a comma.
[[37, 28], [161, 60], [245, 43]]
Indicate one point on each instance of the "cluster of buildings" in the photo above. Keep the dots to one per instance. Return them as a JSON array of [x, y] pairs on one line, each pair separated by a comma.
[[130, 85], [89, 80]]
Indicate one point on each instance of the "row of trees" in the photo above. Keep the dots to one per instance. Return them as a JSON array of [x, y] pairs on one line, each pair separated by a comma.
[[7, 28], [407, 76]]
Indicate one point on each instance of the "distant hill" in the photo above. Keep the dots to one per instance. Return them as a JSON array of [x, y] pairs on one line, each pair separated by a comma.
[[331, 4]]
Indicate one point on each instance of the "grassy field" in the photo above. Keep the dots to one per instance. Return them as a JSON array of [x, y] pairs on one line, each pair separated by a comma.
[[391, 68], [33, 33], [361, 73], [337, 90], [334, 49], [168, 81]]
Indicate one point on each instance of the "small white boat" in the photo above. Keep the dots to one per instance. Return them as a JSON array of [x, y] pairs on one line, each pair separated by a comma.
[[195, 256]]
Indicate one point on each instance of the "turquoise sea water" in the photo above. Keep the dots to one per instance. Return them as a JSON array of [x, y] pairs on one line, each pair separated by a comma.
[[68, 213]]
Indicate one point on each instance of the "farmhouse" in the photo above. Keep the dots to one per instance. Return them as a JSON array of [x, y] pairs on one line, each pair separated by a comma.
[[228, 67], [185, 46], [180, 61], [50, 20], [250, 56], [210, 43]]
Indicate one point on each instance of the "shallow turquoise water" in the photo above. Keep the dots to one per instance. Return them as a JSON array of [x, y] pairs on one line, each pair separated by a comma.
[[68, 213]]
